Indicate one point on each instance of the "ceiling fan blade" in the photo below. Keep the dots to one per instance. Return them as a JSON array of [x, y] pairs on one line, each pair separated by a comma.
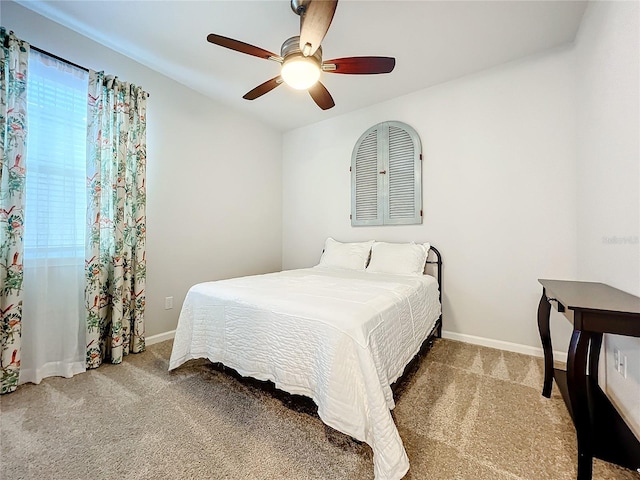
[[242, 47], [321, 96], [360, 65], [263, 88], [314, 24]]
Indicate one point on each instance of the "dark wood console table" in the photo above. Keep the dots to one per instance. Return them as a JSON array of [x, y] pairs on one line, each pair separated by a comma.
[[594, 309]]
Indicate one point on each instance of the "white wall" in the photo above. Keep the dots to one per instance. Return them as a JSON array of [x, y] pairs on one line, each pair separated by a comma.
[[200, 224], [498, 185], [608, 56]]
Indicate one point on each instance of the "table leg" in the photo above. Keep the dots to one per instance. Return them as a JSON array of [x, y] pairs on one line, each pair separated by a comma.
[[578, 393], [544, 311], [594, 355]]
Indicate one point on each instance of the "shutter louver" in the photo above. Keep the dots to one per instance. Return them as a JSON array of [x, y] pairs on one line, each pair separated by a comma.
[[401, 175], [366, 179]]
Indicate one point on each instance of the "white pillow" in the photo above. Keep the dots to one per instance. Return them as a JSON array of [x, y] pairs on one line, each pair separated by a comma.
[[398, 258], [351, 256]]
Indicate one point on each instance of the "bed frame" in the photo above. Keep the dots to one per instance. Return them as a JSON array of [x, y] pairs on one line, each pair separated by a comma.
[[438, 266]]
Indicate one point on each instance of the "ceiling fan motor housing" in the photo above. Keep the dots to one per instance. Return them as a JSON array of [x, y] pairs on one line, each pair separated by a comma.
[[291, 47]]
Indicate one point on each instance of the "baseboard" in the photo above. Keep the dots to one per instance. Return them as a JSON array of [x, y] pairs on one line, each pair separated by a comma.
[[161, 337], [502, 345]]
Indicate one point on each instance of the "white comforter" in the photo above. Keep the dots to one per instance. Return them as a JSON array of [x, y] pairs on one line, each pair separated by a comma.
[[340, 337]]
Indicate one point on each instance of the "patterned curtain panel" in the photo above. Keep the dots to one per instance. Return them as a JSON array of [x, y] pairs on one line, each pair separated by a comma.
[[13, 136], [115, 258]]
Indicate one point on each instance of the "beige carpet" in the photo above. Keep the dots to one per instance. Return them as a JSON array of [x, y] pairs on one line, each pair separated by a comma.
[[464, 412]]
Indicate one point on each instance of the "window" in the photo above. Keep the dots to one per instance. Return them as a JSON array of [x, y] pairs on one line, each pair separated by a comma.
[[55, 208], [386, 176], [54, 315]]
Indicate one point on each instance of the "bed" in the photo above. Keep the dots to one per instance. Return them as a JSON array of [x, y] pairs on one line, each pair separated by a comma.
[[341, 336]]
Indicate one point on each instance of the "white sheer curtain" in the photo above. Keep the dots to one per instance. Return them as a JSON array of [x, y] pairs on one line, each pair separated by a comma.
[[53, 322]]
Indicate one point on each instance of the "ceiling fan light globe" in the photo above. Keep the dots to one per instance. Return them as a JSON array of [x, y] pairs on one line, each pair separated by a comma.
[[300, 72]]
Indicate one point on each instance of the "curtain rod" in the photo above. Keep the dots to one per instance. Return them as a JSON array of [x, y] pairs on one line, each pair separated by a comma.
[[44, 52]]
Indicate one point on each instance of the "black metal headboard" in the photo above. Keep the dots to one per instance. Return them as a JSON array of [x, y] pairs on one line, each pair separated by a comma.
[[438, 262]]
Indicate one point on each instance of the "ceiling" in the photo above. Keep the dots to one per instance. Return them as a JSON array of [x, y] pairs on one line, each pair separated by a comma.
[[432, 41]]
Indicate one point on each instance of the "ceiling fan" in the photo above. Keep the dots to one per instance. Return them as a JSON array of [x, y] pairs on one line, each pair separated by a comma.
[[301, 56]]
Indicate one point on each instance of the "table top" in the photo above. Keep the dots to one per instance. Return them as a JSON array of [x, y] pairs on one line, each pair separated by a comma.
[[592, 296]]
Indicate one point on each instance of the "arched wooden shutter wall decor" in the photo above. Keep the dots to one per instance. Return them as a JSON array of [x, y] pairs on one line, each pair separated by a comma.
[[386, 176]]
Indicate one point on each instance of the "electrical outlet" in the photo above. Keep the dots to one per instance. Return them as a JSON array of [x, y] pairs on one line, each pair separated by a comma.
[[623, 365], [620, 362], [168, 303], [616, 359]]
